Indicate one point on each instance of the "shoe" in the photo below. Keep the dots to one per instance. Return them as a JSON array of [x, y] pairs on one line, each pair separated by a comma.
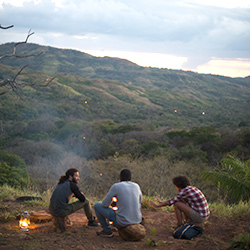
[[92, 224], [105, 234]]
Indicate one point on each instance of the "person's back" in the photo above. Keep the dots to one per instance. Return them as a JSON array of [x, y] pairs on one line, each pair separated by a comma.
[[129, 197], [128, 202], [60, 198]]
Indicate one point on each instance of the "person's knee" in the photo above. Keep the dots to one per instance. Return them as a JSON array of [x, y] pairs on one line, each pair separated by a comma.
[[178, 204], [86, 203], [97, 205], [181, 206]]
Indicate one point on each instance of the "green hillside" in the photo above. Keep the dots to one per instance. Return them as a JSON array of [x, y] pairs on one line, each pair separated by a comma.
[[132, 93], [123, 116]]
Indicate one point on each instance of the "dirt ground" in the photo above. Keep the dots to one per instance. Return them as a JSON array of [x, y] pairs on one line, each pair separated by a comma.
[[218, 233]]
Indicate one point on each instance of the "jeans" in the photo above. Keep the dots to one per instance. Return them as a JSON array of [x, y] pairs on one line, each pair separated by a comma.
[[73, 207], [103, 214]]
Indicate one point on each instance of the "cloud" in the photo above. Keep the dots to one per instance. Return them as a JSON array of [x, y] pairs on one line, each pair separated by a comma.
[[197, 30]]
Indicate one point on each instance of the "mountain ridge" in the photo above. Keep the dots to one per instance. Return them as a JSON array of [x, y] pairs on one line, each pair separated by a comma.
[[163, 95]]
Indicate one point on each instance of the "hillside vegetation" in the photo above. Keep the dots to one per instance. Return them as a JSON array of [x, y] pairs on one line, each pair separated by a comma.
[[103, 114]]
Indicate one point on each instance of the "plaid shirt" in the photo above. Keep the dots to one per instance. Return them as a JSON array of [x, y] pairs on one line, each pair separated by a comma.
[[193, 197]]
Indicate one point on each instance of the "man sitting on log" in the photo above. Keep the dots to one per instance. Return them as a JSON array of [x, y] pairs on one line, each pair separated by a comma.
[[59, 203], [128, 201]]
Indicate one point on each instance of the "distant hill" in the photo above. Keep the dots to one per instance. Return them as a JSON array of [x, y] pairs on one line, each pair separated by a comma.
[[123, 91]]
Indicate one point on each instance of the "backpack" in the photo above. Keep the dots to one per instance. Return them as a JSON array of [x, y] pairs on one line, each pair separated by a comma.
[[187, 231]]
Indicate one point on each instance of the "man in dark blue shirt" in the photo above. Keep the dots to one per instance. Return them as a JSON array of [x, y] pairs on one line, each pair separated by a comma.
[[59, 202]]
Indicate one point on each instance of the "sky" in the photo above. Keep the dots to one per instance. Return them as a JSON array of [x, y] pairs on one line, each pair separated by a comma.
[[204, 36]]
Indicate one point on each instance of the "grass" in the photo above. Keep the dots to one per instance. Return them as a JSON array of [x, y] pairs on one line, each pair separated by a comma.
[[8, 193], [241, 209], [241, 241]]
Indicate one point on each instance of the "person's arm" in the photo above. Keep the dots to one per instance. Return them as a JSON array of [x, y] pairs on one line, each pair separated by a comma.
[[160, 203], [108, 198], [75, 190]]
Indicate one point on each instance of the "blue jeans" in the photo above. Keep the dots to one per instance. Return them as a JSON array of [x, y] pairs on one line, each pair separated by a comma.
[[103, 214]]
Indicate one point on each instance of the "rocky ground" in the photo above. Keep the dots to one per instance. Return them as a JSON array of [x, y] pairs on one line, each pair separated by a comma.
[[218, 234]]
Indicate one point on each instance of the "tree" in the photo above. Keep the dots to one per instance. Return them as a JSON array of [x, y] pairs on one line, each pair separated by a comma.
[[233, 177], [11, 84], [13, 169]]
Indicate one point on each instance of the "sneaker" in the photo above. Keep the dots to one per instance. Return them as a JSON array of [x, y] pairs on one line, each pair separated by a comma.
[[105, 234], [92, 224]]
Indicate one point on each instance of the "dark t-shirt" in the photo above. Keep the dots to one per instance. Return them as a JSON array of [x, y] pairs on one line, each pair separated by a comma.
[[60, 197]]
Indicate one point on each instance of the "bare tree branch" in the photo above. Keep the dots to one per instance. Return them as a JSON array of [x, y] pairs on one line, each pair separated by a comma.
[[15, 47], [5, 28], [12, 84]]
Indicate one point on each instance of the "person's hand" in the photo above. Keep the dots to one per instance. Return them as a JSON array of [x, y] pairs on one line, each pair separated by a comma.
[[161, 203], [159, 200], [153, 203]]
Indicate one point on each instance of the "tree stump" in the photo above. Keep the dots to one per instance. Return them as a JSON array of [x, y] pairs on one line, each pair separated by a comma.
[[135, 232], [59, 223]]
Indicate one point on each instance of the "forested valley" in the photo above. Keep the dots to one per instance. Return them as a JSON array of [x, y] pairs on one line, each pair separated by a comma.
[[101, 115]]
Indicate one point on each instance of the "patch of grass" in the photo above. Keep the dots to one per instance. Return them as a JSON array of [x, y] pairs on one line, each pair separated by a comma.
[[242, 241], [241, 209], [151, 241], [7, 215], [11, 193]]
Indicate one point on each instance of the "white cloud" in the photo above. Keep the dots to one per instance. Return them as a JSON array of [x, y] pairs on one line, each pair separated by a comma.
[[196, 30], [144, 59], [233, 68]]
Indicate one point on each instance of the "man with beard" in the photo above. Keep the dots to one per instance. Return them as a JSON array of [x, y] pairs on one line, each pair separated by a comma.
[[59, 203]]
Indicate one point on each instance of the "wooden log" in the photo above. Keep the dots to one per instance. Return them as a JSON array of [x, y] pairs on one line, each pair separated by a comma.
[[40, 216]]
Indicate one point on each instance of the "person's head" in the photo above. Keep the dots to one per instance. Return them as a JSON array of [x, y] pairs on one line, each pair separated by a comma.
[[181, 181], [125, 175], [71, 174]]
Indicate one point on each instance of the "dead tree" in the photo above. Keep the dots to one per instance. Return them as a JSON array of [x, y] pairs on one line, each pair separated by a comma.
[[11, 84]]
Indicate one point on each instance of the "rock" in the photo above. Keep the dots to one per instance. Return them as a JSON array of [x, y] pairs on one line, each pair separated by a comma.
[[24, 237], [28, 198], [135, 232]]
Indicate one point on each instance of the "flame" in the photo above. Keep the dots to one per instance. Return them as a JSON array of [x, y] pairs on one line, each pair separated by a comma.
[[110, 222], [114, 199], [100, 174], [115, 208], [24, 223], [175, 111], [86, 102]]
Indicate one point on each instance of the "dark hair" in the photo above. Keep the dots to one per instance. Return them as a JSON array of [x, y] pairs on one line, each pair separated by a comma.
[[125, 175], [69, 172], [181, 181]]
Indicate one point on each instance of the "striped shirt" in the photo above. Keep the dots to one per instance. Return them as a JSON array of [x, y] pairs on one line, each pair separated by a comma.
[[194, 198]]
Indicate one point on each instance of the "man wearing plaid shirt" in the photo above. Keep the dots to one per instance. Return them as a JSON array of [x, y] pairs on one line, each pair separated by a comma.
[[190, 201]]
